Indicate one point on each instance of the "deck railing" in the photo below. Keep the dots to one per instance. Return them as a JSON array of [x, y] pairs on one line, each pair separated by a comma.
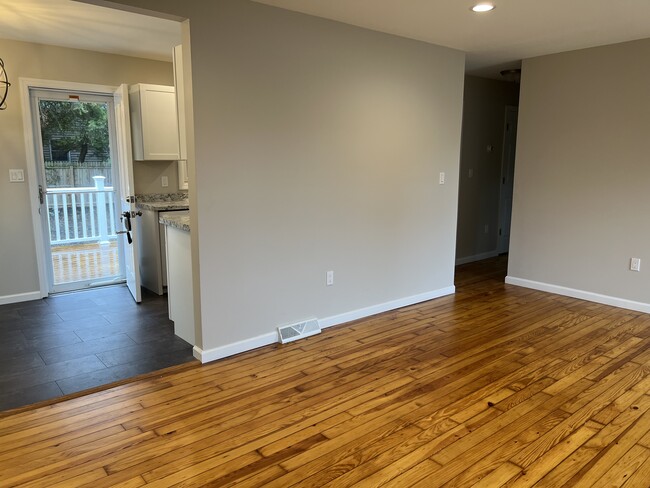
[[81, 214]]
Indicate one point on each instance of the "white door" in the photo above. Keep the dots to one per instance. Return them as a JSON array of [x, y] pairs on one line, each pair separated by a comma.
[[128, 212], [507, 179], [74, 151]]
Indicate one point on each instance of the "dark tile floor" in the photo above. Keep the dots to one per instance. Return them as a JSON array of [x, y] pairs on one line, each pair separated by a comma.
[[68, 343]]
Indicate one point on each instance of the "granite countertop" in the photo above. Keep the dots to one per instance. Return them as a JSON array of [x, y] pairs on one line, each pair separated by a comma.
[[160, 202], [178, 220]]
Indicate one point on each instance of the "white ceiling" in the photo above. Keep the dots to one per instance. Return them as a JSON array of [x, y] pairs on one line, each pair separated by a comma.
[[78, 25], [515, 30]]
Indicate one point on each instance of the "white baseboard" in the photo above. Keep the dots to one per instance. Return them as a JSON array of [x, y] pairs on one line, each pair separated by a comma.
[[476, 257], [205, 356], [384, 307], [21, 297], [581, 294]]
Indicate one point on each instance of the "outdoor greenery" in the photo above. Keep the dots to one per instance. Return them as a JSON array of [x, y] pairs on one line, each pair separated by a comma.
[[79, 127]]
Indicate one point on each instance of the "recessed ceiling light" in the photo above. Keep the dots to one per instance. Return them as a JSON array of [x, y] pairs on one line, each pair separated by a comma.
[[483, 7]]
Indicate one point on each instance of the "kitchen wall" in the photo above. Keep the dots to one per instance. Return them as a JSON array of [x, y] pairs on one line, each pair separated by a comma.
[[18, 272], [484, 105], [148, 176], [318, 147], [581, 202]]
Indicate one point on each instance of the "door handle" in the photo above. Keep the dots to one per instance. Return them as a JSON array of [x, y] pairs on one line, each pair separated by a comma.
[[127, 223], [128, 235], [41, 194], [126, 219]]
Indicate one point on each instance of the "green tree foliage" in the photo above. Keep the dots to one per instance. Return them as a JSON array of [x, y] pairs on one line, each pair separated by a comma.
[[76, 126]]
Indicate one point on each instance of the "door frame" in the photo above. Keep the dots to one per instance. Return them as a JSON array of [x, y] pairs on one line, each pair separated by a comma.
[[31, 160]]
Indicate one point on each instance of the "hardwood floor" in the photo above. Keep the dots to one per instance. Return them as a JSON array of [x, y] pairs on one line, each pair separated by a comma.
[[495, 386]]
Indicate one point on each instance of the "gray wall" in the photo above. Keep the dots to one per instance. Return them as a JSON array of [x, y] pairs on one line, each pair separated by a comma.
[[148, 175], [582, 177], [18, 271], [484, 105], [318, 147]]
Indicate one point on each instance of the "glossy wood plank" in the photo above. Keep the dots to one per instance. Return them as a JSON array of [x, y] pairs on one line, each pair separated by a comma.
[[494, 386]]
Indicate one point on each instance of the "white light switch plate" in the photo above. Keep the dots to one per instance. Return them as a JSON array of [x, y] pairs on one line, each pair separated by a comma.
[[329, 279], [16, 176]]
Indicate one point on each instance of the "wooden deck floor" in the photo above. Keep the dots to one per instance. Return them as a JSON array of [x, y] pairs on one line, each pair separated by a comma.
[[81, 262], [495, 386]]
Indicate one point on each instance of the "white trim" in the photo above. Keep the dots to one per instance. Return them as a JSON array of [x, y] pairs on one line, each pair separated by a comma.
[[21, 297], [385, 307], [206, 356], [235, 348], [32, 183], [68, 86], [32, 173], [476, 257], [580, 294]]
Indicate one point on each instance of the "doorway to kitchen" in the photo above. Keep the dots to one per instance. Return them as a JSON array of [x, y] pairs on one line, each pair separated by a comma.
[[74, 141]]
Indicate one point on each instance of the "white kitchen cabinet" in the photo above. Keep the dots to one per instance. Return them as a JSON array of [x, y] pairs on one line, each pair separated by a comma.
[[152, 255], [154, 123], [179, 267], [183, 179], [151, 246]]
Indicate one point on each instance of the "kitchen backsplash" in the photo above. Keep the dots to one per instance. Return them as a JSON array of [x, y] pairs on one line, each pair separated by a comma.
[[148, 176]]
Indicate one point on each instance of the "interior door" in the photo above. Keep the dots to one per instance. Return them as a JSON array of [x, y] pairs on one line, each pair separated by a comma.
[[507, 179], [128, 212]]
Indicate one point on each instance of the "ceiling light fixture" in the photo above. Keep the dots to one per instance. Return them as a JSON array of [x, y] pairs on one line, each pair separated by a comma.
[[512, 75], [483, 7]]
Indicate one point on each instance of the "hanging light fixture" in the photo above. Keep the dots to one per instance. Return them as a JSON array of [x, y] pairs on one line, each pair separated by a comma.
[[512, 75], [4, 85]]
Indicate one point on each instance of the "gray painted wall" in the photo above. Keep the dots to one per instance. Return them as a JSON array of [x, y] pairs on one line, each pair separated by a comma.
[[18, 270], [318, 147], [484, 107], [582, 199]]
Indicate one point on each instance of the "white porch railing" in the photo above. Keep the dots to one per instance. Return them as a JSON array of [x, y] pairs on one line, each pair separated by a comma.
[[81, 214]]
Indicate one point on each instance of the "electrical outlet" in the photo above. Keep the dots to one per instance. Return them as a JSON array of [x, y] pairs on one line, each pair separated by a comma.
[[470, 173], [164, 180], [329, 280], [442, 178], [635, 264], [486, 229]]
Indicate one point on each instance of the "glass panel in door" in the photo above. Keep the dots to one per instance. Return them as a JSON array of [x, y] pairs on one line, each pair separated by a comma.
[[78, 190]]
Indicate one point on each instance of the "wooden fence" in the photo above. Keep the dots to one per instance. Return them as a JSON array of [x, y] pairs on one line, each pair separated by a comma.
[[69, 174]]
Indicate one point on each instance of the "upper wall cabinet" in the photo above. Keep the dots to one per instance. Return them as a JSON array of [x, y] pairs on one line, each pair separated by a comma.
[[154, 124]]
